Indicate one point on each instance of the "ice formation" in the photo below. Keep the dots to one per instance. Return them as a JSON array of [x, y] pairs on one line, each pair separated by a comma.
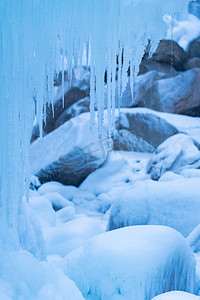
[[132, 263], [37, 38]]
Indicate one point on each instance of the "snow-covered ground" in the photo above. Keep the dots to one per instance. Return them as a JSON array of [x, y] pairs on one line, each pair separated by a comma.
[[71, 216]]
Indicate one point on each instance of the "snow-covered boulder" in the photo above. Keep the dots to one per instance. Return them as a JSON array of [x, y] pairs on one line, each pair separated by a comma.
[[133, 263], [175, 204], [69, 153], [176, 295], [175, 154]]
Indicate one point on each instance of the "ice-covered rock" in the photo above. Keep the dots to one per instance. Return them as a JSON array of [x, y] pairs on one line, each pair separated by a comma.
[[24, 277], [133, 263], [175, 154], [175, 204], [69, 153], [176, 295]]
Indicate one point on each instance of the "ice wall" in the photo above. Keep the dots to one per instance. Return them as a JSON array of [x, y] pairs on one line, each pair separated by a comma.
[[35, 35]]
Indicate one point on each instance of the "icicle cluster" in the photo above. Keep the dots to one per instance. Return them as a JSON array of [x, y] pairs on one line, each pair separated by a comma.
[[37, 38]]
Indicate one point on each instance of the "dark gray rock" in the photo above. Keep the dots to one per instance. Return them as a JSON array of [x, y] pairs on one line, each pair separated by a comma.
[[71, 96], [125, 140], [146, 125], [151, 65], [169, 52], [194, 48]]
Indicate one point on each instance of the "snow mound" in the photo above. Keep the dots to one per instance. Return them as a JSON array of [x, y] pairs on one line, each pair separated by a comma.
[[65, 237], [133, 263], [24, 277], [175, 204], [176, 296]]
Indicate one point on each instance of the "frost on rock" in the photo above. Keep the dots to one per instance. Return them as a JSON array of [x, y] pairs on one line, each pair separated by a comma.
[[132, 263]]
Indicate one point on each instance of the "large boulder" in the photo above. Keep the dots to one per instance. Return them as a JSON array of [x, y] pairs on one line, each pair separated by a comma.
[[148, 127], [127, 141], [174, 203], [181, 94], [175, 154], [151, 65], [178, 95], [169, 52], [169, 58], [133, 263], [69, 153], [194, 48], [145, 90]]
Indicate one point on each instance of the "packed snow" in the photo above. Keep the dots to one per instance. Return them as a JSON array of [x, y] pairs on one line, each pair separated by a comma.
[[177, 295]]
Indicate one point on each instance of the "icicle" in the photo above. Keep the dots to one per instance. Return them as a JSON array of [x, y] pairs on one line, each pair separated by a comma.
[[92, 95], [31, 36]]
